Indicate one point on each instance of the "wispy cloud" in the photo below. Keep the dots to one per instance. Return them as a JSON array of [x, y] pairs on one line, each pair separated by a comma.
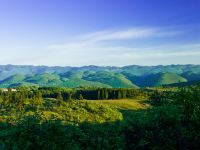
[[117, 56], [132, 33], [115, 47], [96, 39], [110, 47]]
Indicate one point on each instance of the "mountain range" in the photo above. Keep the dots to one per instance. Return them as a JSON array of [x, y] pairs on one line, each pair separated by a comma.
[[133, 76]]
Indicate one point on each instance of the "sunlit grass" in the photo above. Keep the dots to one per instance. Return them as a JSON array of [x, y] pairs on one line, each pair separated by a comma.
[[126, 104]]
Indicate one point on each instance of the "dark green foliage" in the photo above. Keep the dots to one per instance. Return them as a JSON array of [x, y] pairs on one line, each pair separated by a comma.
[[80, 97], [29, 122], [104, 93], [30, 134], [41, 119]]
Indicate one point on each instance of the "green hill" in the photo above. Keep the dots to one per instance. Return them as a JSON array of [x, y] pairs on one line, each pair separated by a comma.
[[164, 79], [118, 77], [191, 75], [22, 84], [77, 82], [14, 79], [113, 79], [44, 79], [48, 79], [72, 74], [184, 84]]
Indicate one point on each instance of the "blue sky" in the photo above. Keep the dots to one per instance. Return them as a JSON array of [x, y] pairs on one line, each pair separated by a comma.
[[99, 32]]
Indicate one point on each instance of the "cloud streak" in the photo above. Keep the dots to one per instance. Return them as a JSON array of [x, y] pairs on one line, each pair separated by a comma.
[[109, 47], [114, 47], [96, 39], [164, 55], [133, 33]]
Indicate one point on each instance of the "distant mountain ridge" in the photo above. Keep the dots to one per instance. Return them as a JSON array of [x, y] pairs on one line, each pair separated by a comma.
[[133, 76]]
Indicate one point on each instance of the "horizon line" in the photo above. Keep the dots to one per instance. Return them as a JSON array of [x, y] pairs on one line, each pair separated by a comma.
[[63, 66]]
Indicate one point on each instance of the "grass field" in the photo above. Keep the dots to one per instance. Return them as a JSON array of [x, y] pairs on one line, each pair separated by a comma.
[[124, 104]]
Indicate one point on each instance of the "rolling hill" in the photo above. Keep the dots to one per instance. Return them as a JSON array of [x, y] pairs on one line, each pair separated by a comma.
[[98, 76], [160, 79], [14, 79], [115, 80]]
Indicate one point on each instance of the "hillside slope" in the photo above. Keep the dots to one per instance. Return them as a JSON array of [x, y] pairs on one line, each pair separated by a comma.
[[115, 80], [97, 76], [164, 79]]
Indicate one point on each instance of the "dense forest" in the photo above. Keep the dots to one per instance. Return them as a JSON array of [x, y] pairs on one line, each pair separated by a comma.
[[91, 118]]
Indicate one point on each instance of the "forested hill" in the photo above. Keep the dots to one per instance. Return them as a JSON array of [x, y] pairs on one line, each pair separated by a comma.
[[97, 76]]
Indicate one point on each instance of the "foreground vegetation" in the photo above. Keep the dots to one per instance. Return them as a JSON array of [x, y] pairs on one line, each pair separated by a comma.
[[57, 118]]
